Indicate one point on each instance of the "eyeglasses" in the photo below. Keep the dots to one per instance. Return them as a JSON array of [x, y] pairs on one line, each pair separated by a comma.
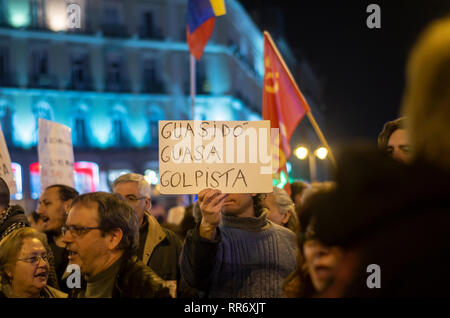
[[34, 260], [133, 199], [77, 230]]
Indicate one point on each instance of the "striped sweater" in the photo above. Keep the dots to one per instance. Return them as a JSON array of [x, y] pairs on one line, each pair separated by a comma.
[[250, 258]]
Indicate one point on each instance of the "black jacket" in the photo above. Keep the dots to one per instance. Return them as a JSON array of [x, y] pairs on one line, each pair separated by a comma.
[[135, 280]]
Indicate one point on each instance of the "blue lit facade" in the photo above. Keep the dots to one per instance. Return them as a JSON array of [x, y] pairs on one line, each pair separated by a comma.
[[112, 79]]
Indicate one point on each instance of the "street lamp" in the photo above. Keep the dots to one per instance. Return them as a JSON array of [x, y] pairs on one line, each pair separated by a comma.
[[302, 152], [321, 153]]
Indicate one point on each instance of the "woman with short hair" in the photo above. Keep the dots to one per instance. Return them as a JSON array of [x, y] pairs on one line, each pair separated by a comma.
[[24, 266]]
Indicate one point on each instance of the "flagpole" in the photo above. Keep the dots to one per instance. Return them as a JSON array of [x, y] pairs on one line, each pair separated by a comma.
[[192, 68], [321, 136], [302, 98]]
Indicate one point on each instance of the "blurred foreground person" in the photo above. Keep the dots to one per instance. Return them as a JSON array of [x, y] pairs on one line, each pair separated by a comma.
[[318, 263], [102, 239], [24, 266], [395, 218], [235, 252], [393, 139], [282, 209]]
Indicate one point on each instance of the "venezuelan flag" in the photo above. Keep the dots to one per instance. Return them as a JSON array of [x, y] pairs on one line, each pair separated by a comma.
[[200, 23]]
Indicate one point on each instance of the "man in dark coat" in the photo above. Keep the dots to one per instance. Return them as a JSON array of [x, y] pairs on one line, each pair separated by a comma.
[[101, 234], [159, 248]]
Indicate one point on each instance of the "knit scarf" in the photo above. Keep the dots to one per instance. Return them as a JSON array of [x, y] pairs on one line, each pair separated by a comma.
[[11, 219]]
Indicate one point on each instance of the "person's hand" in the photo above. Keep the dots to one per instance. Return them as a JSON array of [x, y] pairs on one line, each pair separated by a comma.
[[210, 202]]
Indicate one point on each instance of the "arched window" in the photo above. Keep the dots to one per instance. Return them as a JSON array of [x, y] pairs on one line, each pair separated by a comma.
[[6, 120], [80, 132], [154, 114], [119, 130]]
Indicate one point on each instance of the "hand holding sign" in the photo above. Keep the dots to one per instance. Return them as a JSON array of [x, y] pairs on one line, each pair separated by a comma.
[[210, 202]]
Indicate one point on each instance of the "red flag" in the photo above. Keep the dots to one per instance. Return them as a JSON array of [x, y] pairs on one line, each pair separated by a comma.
[[283, 103]]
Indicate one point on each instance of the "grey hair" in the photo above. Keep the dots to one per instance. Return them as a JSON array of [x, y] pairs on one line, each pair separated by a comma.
[[283, 201], [143, 186], [286, 206]]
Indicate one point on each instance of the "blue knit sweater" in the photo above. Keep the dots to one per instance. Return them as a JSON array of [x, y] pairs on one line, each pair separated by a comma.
[[250, 258]]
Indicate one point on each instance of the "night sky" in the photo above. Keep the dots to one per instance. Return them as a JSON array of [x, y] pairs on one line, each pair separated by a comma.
[[361, 70]]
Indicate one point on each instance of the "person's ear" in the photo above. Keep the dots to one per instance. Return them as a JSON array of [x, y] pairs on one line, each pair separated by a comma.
[[286, 218], [9, 273], [67, 205], [114, 238], [148, 204]]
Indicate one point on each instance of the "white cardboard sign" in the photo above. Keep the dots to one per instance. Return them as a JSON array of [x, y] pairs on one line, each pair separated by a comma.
[[55, 152], [233, 156], [6, 172]]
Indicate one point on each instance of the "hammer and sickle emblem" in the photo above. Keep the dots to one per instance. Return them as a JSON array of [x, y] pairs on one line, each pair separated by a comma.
[[270, 75]]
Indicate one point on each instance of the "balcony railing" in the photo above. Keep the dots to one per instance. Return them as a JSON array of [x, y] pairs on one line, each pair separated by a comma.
[[117, 86], [153, 87], [115, 30], [43, 81], [146, 32], [80, 85]]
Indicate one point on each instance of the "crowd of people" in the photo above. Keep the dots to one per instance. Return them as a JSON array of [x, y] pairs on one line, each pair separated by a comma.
[[386, 213]]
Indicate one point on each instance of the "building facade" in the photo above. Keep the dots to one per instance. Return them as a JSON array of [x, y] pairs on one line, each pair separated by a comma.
[[110, 70]]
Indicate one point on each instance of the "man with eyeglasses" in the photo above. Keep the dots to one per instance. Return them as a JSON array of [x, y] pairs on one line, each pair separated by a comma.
[[101, 234], [159, 247]]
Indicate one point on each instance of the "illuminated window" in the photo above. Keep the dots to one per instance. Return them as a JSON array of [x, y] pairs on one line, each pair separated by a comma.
[[151, 77], [119, 130], [86, 176], [80, 131], [3, 13], [79, 77], [115, 79], [201, 80], [154, 114], [40, 70], [148, 27], [19, 13], [112, 20]]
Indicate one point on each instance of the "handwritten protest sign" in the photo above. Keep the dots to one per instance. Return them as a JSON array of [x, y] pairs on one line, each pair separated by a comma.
[[6, 172], [55, 152], [233, 156]]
